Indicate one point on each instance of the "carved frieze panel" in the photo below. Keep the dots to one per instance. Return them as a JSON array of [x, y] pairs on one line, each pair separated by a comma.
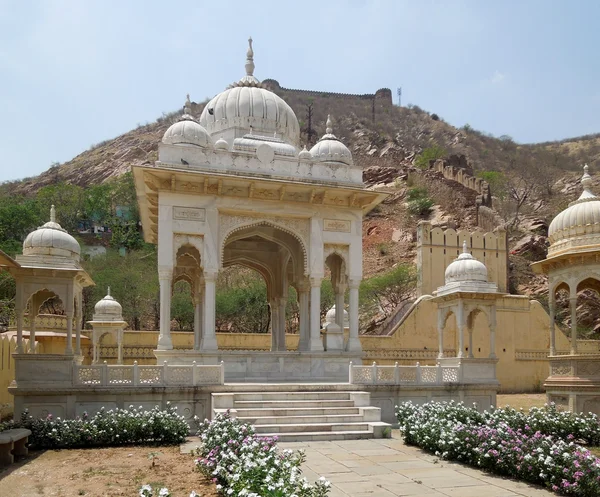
[[189, 214], [338, 225]]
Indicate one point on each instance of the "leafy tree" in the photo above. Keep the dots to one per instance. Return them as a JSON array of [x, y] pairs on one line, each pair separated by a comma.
[[69, 201], [497, 181], [418, 201], [18, 217], [385, 292], [182, 307], [429, 154]]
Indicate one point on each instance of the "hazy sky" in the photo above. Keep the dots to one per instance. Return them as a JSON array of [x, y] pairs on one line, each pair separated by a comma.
[[74, 73]]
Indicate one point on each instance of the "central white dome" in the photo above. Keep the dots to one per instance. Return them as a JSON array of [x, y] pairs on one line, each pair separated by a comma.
[[247, 106]]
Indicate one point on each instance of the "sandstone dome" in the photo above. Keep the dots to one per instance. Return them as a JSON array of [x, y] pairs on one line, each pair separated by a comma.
[[466, 268], [108, 309], [330, 149], [247, 105], [580, 219], [51, 239], [187, 131]]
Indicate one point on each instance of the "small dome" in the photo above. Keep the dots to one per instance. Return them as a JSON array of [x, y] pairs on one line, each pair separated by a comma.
[[330, 149], [221, 144], [51, 239], [305, 154], [466, 268], [108, 309], [187, 131], [581, 218], [246, 104], [330, 317]]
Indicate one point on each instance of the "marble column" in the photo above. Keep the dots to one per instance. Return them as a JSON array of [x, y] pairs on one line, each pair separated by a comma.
[[460, 327], [197, 321], [315, 344], [20, 314], [573, 303], [552, 312], [493, 332], [274, 306], [78, 314], [281, 342], [470, 355], [440, 330], [209, 336], [120, 346], [69, 345], [165, 278], [339, 306], [354, 344], [32, 316], [303, 325]]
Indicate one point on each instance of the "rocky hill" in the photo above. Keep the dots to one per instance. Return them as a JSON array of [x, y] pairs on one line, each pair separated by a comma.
[[530, 183]]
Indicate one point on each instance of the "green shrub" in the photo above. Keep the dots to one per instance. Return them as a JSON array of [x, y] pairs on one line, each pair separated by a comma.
[[431, 153], [420, 207]]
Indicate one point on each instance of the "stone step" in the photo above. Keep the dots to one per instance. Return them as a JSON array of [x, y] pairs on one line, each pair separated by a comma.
[[258, 404], [311, 428], [262, 396], [325, 418], [316, 436], [303, 411]]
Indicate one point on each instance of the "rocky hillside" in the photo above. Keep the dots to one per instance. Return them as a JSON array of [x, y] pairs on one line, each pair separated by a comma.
[[531, 182]]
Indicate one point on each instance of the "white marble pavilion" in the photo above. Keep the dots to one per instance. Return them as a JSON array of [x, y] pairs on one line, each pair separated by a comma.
[[235, 188]]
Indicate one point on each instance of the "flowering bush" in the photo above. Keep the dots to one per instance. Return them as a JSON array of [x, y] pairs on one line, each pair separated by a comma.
[[244, 464], [108, 428], [507, 442], [148, 491]]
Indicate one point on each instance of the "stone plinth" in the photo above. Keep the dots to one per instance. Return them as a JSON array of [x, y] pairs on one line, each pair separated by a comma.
[[271, 366], [574, 382]]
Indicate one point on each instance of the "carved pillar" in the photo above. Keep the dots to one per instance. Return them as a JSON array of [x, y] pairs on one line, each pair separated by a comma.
[[19, 310], [33, 307], [354, 344], [493, 332], [165, 278], [281, 342], [573, 303], [120, 346], [460, 320], [304, 325], [274, 306], [440, 330], [339, 306], [78, 314], [552, 312], [315, 344], [69, 345], [198, 320], [209, 337]]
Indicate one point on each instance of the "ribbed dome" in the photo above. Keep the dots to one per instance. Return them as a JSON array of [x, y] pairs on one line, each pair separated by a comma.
[[248, 106], [108, 309], [187, 131], [466, 268], [51, 239], [330, 149], [581, 218]]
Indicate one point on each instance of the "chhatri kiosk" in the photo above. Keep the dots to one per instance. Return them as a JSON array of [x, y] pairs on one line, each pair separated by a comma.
[[234, 188]]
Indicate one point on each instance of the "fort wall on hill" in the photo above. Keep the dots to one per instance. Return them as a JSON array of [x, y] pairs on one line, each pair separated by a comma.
[[383, 96]]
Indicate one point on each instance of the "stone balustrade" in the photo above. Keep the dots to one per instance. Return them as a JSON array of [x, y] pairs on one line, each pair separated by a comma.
[[139, 376]]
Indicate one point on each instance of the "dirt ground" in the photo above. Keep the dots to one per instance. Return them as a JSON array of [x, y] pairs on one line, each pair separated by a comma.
[[521, 400], [103, 473]]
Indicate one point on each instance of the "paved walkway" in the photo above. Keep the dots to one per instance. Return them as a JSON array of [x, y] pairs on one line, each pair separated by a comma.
[[387, 468]]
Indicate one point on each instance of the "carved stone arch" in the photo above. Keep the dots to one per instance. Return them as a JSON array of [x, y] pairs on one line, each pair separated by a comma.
[[341, 250], [473, 310], [559, 284], [298, 228], [592, 284], [180, 240], [263, 269], [33, 288], [445, 314]]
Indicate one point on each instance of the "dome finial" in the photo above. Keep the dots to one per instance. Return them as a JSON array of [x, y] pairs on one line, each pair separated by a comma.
[[329, 125], [108, 292], [52, 214], [187, 108], [250, 59], [465, 251], [586, 179]]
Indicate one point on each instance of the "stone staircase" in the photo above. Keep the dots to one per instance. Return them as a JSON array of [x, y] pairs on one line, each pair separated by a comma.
[[303, 416]]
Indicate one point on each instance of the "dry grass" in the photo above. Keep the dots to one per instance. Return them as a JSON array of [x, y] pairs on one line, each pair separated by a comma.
[[521, 400], [108, 472]]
